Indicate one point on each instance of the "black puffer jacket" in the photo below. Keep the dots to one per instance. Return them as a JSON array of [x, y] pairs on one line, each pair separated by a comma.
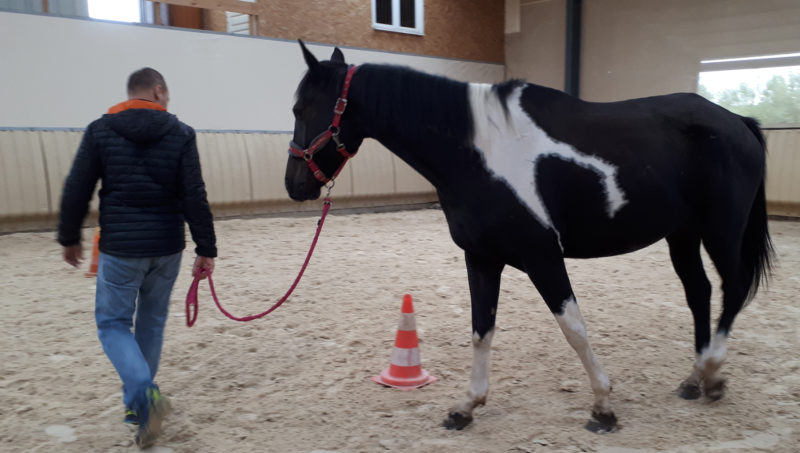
[[151, 182]]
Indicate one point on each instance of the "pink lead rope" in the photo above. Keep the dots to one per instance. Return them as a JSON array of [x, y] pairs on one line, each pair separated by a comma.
[[191, 296]]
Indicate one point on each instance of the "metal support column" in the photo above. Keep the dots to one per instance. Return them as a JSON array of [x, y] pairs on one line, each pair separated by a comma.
[[572, 67]]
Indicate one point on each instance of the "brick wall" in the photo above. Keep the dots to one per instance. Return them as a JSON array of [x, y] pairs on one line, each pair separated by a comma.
[[463, 29]]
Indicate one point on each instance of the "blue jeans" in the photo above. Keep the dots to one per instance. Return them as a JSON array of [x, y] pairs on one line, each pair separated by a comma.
[[135, 354]]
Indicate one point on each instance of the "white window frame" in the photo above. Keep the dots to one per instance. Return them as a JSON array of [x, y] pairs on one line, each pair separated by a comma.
[[419, 19]]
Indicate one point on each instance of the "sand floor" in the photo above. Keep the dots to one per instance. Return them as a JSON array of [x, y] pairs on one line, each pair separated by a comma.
[[299, 379]]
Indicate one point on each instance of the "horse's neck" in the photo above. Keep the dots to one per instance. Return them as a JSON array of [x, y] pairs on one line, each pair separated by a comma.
[[412, 120]]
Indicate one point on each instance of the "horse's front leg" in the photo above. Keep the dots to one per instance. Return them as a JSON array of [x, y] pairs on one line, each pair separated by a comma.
[[549, 275], [484, 287]]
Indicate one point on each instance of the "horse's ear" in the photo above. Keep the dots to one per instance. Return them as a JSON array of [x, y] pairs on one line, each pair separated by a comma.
[[338, 56], [311, 60]]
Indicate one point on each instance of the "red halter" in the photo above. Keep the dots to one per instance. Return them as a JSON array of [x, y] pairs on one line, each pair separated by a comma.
[[332, 133]]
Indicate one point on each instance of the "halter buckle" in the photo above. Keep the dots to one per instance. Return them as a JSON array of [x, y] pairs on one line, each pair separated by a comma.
[[341, 104]]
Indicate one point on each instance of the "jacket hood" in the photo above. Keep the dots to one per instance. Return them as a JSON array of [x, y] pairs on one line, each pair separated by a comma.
[[140, 121]]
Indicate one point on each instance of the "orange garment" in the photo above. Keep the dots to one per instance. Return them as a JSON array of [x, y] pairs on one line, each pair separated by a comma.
[[135, 104]]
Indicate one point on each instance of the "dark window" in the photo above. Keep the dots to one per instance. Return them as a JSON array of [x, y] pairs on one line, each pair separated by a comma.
[[401, 16], [383, 11], [407, 13]]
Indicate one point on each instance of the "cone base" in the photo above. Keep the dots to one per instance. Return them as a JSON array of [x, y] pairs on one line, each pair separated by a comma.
[[404, 383]]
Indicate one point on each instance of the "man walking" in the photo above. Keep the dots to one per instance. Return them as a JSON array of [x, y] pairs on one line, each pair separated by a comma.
[[151, 183]]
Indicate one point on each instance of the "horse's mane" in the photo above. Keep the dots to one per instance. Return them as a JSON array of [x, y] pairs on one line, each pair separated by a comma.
[[503, 90], [416, 103]]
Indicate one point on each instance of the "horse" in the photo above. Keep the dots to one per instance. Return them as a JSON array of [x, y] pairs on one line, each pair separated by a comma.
[[527, 176]]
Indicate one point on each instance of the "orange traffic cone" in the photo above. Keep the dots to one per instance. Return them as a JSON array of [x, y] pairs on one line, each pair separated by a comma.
[[405, 370], [95, 254]]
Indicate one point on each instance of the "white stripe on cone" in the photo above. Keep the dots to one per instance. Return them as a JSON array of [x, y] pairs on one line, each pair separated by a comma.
[[407, 322], [405, 357]]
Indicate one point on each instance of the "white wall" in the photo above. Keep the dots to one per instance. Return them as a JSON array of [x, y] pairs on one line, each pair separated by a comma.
[[62, 72]]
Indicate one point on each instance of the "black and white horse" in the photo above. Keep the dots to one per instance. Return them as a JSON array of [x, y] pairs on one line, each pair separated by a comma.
[[528, 176]]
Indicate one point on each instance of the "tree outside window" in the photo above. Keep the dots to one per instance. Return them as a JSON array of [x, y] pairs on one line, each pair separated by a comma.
[[771, 95]]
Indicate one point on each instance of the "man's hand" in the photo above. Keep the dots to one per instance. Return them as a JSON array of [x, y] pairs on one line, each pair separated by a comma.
[[205, 264], [73, 255]]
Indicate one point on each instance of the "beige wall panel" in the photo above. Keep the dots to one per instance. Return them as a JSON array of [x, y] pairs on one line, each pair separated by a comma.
[[225, 168], [244, 173], [783, 166], [536, 53], [634, 48], [23, 183], [59, 149], [625, 56], [408, 180], [345, 183], [267, 156], [373, 172]]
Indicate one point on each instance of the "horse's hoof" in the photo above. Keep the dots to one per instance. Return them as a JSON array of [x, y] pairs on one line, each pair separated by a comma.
[[457, 420], [689, 391], [715, 389], [602, 423]]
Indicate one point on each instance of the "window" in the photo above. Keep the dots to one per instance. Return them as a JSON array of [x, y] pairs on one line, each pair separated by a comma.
[[402, 16], [240, 23], [764, 87], [116, 10]]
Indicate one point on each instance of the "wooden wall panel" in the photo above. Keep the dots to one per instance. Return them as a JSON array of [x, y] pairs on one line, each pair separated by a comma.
[[373, 171], [244, 175], [783, 171], [23, 186], [59, 149], [267, 165], [226, 170], [185, 17]]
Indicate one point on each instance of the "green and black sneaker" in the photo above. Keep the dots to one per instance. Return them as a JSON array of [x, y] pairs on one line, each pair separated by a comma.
[[157, 408], [131, 417]]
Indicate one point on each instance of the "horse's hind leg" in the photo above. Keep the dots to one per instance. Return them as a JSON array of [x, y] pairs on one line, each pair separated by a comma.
[[550, 278], [684, 249], [724, 248], [734, 287], [484, 286]]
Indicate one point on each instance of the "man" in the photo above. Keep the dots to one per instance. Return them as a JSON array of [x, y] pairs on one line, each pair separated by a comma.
[[151, 183]]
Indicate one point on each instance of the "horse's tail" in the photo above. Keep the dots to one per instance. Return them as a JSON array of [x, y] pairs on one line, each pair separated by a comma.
[[757, 252]]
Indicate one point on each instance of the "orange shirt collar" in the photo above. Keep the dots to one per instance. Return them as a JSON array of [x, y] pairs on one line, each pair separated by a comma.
[[135, 104]]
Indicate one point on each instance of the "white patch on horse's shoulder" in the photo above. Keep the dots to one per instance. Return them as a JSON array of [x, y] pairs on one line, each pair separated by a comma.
[[511, 145]]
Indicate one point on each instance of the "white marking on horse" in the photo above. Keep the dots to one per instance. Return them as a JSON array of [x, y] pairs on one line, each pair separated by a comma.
[[574, 328], [511, 147], [479, 381], [712, 356], [479, 385]]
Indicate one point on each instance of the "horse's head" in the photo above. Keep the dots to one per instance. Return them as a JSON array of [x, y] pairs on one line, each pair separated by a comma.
[[323, 137]]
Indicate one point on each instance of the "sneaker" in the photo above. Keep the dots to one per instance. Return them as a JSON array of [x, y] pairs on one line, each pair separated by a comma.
[[157, 407], [131, 417]]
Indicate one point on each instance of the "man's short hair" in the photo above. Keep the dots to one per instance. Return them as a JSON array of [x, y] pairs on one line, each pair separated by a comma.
[[145, 79]]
